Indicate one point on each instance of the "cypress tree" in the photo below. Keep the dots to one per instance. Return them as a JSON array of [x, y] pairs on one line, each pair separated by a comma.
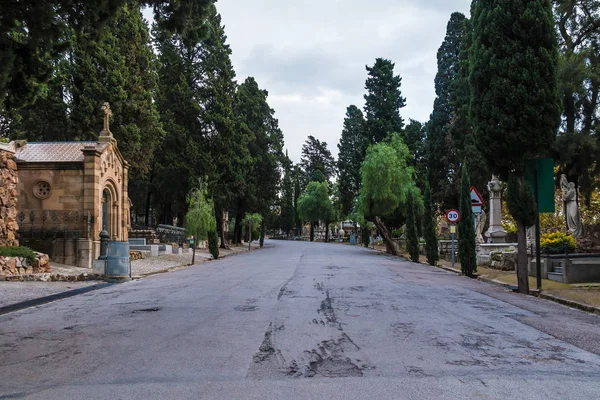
[[466, 227], [431, 241], [514, 96], [383, 101], [442, 157], [412, 240], [352, 148], [297, 192], [213, 243]]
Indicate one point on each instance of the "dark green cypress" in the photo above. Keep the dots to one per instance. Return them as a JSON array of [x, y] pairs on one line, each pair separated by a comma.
[[431, 241], [213, 243], [466, 227], [412, 240], [514, 95]]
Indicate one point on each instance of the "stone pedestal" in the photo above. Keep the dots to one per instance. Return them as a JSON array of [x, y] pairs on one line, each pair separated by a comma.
[[496, 233]]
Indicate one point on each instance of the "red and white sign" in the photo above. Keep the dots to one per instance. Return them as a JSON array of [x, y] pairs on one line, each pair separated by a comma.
[[453, 216], [476, 198]]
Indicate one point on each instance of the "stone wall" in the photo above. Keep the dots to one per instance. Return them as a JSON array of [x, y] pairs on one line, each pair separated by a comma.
[[18, 265], [8, 200]]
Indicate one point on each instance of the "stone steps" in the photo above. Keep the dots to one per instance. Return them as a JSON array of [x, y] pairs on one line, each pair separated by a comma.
[[555, 276]]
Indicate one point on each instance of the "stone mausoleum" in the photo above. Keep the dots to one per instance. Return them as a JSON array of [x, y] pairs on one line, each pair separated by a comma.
[[68, 192]]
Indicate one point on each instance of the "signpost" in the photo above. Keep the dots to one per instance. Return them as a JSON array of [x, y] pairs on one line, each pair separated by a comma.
[[539, 175], [453, 216], [476, 205]]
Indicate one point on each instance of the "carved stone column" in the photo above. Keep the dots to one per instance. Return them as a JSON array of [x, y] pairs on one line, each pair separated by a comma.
[[496, 232]]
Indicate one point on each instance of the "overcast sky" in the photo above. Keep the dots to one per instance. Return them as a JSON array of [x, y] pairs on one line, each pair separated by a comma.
[[311, 55]]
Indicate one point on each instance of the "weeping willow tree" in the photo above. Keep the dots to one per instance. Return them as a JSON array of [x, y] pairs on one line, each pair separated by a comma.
[[200, 219]]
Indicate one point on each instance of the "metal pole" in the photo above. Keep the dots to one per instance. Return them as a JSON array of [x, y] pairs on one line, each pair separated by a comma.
[[538, 257], [452, 249]]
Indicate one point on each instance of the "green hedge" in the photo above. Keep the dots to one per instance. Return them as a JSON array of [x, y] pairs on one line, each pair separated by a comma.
[[20, 251]]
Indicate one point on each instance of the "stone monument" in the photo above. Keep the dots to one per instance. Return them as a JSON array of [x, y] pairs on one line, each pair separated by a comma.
[[496, 232], [572, 217]]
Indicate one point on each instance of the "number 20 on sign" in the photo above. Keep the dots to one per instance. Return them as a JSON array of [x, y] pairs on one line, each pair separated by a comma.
[[453, 216]]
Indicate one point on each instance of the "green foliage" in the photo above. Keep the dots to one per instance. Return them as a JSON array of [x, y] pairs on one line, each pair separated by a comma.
[[117, 66], [297, 192], [576, 147], [386, 178], [383, 101], [412, 240], [514, 91], [317, 162], [200, 218], [18, 251], [213, 243], [287, 219], [429, 229], [557, 243], [520, 201], [352, 148], [266, 147], [466, 227], [442, 150], [314, 203], [33, 36], [228, 146], [253, 221]]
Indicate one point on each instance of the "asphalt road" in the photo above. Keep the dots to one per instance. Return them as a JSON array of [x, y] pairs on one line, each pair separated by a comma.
[[301, 321]]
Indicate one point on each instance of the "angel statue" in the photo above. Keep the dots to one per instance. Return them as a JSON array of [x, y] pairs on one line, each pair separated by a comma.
[[480, 221], [574, 223]]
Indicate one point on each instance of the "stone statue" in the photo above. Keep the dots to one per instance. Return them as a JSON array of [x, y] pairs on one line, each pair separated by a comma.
[[107, 114], [480, 221], [574, 223]]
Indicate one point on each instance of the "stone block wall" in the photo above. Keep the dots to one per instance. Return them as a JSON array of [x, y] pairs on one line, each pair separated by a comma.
[[8, 200]]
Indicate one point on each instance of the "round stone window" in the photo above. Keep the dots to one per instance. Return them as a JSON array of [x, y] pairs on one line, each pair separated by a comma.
[[42, 190]]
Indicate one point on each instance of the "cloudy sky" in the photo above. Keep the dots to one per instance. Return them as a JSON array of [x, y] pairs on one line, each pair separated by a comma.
[[311, 55]]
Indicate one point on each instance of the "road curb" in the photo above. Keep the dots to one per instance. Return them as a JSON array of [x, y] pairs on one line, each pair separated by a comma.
[[53, 297], [569, 303]]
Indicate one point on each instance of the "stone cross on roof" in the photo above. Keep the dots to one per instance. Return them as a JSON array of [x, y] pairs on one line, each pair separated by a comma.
[[107, 114]]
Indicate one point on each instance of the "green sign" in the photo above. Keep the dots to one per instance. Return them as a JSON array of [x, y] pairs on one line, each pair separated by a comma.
[[545, 174]]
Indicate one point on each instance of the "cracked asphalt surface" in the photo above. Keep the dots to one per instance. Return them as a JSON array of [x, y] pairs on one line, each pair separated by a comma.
[[301, 320]]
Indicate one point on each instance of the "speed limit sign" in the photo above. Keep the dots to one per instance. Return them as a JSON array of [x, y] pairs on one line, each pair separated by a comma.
[[453, 216]]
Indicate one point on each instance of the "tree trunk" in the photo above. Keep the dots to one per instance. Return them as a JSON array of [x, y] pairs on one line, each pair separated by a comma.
[[262, 234], [237, 232], [326, 231], [387, 238], [249, 236], [194, 249], [220, 230], [147, 220], [569, 105], [522, 273], [312, 232]]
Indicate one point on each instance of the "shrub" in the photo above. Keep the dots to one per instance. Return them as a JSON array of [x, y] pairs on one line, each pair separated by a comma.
[[213, 243], [557, 243], [20, 251], [397, 233]]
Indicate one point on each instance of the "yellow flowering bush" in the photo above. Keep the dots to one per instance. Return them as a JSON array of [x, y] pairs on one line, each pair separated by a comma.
[[557, 242]]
